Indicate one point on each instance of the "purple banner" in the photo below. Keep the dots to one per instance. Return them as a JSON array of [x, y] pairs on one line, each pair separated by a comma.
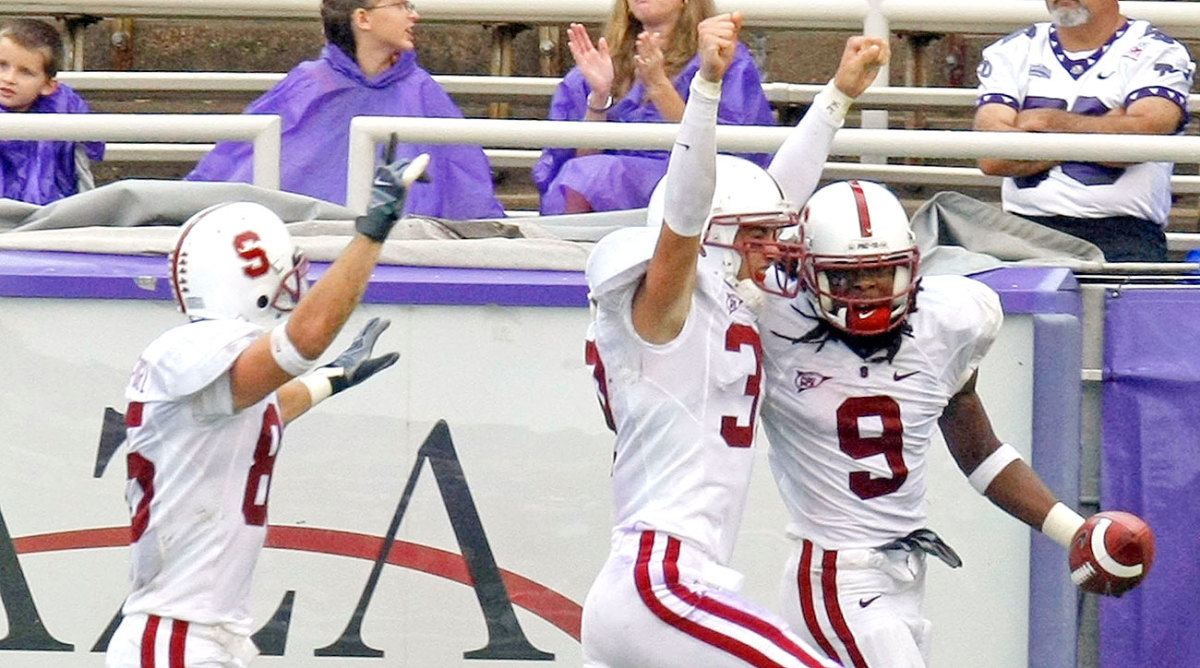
[[1151, 466]]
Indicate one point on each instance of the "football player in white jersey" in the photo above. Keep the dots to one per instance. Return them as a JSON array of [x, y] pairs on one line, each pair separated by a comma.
[[677, 359], [862, 363], [208, 401], [1090, 70]]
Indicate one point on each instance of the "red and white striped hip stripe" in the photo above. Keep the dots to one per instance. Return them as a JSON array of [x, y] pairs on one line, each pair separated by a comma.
[[827, 606], [159, 643], [737, 631]]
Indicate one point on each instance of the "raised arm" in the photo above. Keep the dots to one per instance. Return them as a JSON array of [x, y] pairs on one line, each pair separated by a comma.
[[291, 348], [799, 161], [663, 300]]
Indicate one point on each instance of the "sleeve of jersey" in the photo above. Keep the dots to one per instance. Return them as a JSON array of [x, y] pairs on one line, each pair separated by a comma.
[[187, 359], [981, 317], [1000, 69], [1165, 70]]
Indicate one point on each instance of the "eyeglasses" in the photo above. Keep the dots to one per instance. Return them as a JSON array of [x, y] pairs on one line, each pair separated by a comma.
[[405, 5]]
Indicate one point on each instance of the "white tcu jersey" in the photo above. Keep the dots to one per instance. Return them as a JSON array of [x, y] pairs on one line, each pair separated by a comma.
[[1029, 69], [199, 475], [683, 412], [849, 437]]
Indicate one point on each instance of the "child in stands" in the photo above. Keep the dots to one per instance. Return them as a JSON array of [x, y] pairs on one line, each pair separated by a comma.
[[39, 172]]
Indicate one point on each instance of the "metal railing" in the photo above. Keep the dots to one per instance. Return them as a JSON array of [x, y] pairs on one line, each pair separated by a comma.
[[367, 131], [1180, 19], [261, 131]]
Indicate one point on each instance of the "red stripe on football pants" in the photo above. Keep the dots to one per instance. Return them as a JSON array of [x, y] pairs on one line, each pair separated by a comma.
[[670, 565]]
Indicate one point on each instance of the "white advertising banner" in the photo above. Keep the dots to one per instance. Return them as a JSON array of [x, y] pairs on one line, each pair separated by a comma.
[[450, 512]]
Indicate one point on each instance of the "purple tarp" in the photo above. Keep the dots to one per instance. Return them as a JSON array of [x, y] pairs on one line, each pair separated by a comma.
[[316, 101], [624, 179], [1151, 466], [40, 172]]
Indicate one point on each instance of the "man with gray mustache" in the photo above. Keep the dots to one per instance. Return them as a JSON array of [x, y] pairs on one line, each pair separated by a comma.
[[1088, 70]]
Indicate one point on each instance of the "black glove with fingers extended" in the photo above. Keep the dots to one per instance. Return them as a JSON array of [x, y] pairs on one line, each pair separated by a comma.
[[353, 366], [388, 192]]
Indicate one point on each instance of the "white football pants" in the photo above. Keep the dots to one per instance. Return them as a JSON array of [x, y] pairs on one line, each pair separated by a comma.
[[150, 641], [659, 603], [862, 607]]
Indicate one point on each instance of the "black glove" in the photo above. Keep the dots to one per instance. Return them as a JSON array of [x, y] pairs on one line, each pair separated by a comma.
[[388, 193], [355, 364]]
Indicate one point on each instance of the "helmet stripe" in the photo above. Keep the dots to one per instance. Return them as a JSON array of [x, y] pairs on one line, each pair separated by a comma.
[[864, 214]]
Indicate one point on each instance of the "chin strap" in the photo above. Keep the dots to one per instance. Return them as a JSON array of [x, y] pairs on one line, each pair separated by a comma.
[[753, 296]]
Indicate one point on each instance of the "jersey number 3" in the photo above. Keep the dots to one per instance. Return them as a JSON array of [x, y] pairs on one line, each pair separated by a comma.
[[889, 442]]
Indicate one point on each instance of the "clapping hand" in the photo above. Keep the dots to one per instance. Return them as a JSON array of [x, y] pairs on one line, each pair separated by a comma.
[[648, 63], [594, 61]]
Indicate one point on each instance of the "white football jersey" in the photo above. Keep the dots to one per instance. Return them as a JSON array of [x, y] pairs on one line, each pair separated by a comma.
[[849, 437], [199, 475], [1029, 69], [683, 412]]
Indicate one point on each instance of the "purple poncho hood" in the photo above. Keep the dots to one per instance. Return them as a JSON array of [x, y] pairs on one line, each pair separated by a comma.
[[316, 101]]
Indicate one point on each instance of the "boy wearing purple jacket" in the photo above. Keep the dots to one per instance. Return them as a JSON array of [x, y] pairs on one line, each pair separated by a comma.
[[367, 68], [39, 172]]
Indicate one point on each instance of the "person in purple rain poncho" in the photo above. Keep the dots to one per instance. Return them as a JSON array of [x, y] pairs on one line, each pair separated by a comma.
[[639, 72], [367, 68], [39, 172]]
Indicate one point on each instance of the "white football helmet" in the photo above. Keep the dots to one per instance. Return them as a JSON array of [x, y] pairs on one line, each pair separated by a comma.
[[236, 260], [856, 243], [745, 196]]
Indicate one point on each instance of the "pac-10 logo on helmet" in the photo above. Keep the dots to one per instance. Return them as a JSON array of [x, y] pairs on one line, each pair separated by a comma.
[[859, 257], [236, 260]]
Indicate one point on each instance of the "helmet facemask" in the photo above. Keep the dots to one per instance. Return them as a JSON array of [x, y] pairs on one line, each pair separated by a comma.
[[863, 295], [293, 285], [760, 236], [859, 257]]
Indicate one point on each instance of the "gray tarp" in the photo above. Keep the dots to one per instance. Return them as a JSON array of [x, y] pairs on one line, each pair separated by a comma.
[[956, 234], [138, 217]]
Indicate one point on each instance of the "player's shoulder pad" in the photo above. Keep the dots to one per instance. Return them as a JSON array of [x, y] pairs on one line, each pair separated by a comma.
[[959, 303], [619, 259], [185, 359]]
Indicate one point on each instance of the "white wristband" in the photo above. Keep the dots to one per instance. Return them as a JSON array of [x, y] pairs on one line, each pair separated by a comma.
[[319, 387], [989, 468], [286, 356], [709, 89], [832, 104], [1061, 523]]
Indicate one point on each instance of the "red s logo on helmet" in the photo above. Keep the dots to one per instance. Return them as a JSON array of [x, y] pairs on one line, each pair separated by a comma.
[[249, 247]]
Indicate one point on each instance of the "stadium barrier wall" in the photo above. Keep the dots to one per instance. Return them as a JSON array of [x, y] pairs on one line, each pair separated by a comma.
[[513, 490]]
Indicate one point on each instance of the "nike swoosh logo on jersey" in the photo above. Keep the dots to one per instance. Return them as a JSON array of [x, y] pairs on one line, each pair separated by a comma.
[[864, 602], [1105, 76], [897, 376]]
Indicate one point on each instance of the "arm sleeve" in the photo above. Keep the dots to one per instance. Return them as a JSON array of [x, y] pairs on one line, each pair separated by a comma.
[[692, 171], [799, 161]]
